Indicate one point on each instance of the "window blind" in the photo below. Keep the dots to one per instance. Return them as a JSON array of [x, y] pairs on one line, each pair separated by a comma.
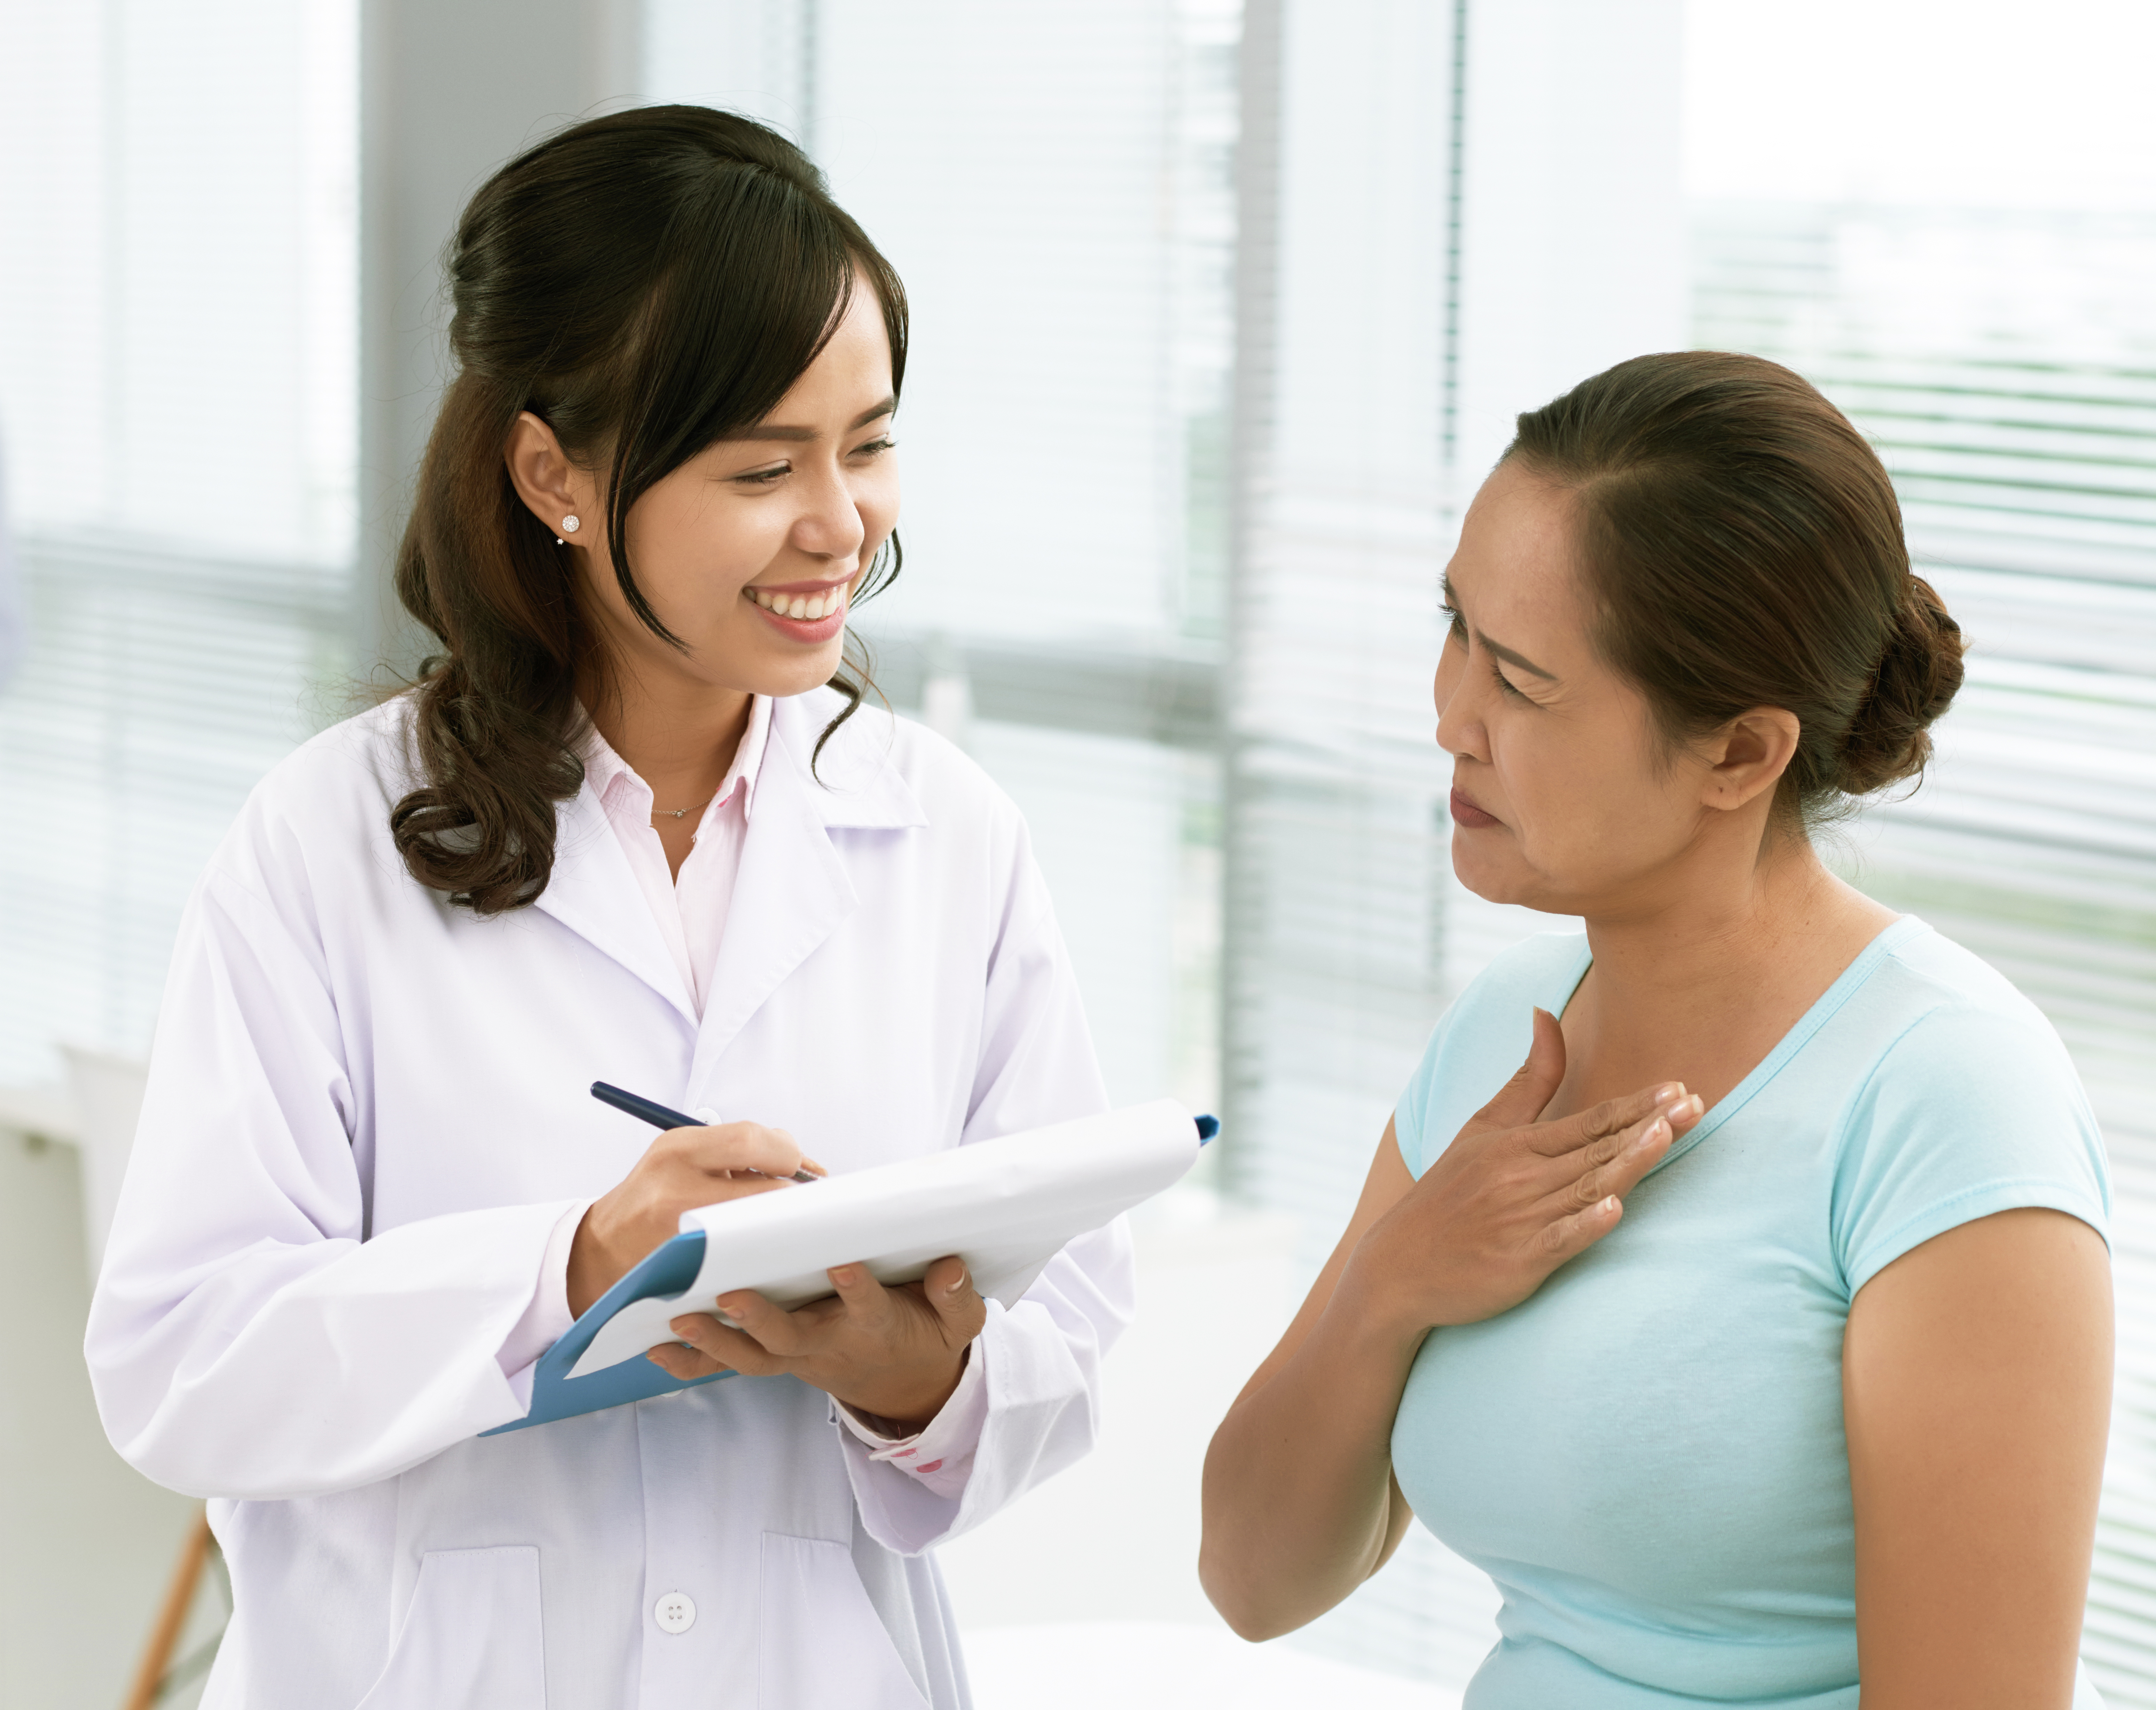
[[178, 379], [159, 686]]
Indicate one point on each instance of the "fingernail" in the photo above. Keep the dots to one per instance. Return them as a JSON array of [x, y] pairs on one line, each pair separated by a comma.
[[1652, 1133], [958, 1285], [1610, 1204]]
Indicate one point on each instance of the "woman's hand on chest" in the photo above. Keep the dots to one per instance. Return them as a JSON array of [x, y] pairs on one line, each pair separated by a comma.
[[893, 1352], [1511, 1199]]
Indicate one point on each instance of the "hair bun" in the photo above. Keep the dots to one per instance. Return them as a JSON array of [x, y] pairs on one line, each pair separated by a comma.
[[1916, 679]]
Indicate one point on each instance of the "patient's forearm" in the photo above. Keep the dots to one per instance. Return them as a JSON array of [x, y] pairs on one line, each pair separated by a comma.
[[1300, 1503]]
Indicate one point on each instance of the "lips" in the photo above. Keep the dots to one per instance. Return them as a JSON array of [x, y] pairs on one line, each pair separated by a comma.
[[1465, 812], [809, 612]]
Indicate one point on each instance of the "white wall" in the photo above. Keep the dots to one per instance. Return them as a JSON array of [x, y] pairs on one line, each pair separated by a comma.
[[176, 287], [1574, 248]]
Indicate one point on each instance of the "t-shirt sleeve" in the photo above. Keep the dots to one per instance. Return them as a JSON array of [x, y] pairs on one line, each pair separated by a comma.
[[1411, 1114], [1970, 1113]]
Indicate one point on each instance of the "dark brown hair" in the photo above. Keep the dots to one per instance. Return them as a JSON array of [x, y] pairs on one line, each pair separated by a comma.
[[645, 283], [1742, 547]]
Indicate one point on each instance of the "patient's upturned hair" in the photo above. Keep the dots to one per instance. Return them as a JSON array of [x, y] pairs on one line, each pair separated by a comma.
[[1742, 546], [644, 283]]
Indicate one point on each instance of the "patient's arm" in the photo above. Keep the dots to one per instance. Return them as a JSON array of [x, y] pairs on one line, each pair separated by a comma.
[[1301, 1505], [1976, 1387]]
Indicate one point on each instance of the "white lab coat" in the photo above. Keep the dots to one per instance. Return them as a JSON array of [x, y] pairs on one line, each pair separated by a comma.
[[367, 1110]]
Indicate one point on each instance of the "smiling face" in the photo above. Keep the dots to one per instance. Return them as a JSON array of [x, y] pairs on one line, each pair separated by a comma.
[[1563, 798], [751, 551]]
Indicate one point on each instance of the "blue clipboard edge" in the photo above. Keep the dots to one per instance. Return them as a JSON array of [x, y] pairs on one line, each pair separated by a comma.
[[666, 1270]]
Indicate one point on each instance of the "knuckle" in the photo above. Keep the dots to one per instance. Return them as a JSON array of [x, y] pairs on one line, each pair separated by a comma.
[[1587, 1190]]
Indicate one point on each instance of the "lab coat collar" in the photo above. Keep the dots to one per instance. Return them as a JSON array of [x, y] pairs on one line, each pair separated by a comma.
[[593, 892], [791, 892], [853, 785]]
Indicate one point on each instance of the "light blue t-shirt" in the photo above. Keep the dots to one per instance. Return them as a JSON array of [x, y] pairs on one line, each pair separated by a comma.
[[1647, 1456]]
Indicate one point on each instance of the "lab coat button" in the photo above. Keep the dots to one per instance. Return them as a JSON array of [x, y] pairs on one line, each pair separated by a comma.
[[705, 1114], [675, 1612]]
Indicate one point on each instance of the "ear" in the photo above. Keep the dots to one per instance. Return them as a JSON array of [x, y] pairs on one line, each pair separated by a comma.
[[1746, 756], [551, 485]]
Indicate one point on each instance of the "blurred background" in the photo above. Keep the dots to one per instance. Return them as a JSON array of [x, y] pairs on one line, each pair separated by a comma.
[[1222, 310]]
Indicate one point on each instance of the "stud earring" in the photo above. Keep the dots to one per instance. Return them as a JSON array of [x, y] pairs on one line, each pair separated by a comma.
[[570, 525]]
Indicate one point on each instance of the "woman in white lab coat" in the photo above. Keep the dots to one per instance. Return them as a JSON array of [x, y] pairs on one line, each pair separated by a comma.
[[621, 829]]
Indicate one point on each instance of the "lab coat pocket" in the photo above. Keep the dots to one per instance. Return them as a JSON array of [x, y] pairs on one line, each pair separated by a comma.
[[822, 1642], [471, 1638]]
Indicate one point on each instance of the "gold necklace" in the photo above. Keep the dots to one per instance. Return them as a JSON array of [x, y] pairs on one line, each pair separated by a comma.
[[680, 813]]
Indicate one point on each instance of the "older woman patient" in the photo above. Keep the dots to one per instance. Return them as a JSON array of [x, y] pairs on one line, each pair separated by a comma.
[[1754, 1334]]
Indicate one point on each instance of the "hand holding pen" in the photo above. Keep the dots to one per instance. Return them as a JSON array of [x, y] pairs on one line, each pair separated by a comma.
[[691, 1164], [660, 1116]]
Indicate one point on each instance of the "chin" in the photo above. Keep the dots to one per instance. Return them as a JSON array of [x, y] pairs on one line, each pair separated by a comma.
[[1493, 875], [797, 676]]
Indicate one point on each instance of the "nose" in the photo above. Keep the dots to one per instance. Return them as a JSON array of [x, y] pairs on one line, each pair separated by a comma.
[[1459, 731], [829, 525]]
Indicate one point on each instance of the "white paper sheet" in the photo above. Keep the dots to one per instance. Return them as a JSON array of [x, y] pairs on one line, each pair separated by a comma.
[[1005, 1206]]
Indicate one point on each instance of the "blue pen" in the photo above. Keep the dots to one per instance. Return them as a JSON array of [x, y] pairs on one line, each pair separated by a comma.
[[643, 1110], [660, 1116]]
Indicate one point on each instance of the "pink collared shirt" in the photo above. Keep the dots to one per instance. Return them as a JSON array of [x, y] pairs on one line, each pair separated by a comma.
[[691, 908]]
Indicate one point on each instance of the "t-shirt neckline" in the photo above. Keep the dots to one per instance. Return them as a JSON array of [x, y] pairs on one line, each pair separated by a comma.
[[1844, 988]]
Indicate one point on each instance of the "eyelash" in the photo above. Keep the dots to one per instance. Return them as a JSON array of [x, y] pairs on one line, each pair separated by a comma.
[[765, 477], [1457, 626]]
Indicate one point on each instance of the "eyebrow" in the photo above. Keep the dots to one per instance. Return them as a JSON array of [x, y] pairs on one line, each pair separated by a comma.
[[1503, 652], [769, 430], [1511, 658]]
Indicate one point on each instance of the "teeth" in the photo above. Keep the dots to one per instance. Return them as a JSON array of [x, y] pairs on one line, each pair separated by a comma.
[[802, 607]]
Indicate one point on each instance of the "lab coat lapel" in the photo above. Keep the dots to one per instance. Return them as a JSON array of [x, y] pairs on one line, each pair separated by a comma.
[[594, 893], [792, 890]]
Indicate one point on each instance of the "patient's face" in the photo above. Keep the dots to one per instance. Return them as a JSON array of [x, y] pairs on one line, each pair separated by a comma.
[[1563, 797]]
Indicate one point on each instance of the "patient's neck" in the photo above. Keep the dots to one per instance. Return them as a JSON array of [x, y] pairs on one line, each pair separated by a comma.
[[1700, 985]]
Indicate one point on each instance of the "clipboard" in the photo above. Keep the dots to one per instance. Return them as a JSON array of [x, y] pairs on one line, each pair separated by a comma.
[[1006, 1206]]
